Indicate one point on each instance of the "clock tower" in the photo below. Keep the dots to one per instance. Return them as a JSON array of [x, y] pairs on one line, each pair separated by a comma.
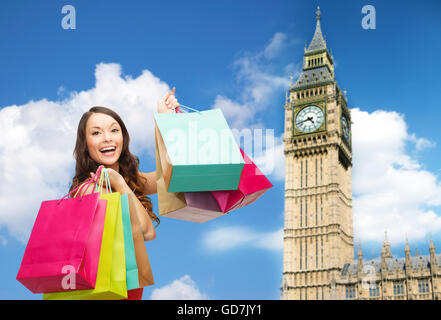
[[318, 231]]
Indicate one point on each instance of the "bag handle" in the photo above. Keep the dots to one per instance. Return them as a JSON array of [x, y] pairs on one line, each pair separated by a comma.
[[93, 180], [99, 184], [87, 184], [178, 110], [104, 177], [79, 188]]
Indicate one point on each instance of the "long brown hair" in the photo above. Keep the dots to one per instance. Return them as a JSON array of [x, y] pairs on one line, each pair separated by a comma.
[[128, 163]]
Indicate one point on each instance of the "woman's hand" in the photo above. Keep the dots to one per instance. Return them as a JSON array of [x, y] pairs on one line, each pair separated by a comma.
[[168, 102], [117, 181]]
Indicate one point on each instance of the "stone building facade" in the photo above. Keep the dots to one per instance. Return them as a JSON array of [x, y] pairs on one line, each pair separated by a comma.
[[318, 256], [389, 278]]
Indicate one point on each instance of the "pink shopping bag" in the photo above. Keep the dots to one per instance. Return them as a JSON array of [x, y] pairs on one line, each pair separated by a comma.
[[252, 185], [65, 241]]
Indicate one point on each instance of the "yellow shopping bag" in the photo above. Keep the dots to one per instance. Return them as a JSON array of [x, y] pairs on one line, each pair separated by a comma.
[[111, 278]]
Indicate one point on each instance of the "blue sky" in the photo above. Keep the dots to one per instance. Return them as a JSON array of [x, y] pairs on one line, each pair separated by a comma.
[[235, 55]]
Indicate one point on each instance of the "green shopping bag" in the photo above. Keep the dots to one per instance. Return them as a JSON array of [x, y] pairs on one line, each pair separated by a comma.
[[201, 152], [111, 278], [129, 247]]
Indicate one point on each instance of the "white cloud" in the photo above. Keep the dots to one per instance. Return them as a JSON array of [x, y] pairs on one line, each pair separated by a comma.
[[391, 190], [272, 160], [271, 240], [421, 143], [38, 139], [226, 238], [238, 115], [183, 288], [3, 240], [277, 43], [259, 84]]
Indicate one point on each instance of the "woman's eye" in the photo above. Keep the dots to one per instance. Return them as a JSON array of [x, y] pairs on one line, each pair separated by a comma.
[[95, 133], [115, 130]]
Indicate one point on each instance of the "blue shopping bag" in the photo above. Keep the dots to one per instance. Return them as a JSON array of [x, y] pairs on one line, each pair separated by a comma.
[[198, 151]]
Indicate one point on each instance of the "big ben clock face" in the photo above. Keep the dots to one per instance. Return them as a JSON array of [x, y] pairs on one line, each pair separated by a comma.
[[345, 127], [309, 119]]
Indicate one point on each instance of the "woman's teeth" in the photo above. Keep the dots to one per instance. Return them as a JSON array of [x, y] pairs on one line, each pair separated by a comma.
[[107, 150]]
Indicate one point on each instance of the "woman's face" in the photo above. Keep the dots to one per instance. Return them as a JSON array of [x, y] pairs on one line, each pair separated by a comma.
[[104, 139]]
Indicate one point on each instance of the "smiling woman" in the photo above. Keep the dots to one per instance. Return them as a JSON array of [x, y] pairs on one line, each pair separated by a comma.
[[102, 139]]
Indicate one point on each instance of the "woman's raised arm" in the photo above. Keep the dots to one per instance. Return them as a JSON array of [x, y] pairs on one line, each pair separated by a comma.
[[150, 185], [167, 104]]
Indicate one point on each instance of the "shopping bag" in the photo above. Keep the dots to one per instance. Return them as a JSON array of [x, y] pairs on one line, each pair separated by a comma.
[[134, 294], [129, 247], [145, 275], [111, 278], [253, 184], [190, 206], [200, 151], [65, 240]]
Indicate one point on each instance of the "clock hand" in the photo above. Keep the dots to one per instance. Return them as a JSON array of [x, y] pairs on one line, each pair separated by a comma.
[[308, 119], [302, 121]]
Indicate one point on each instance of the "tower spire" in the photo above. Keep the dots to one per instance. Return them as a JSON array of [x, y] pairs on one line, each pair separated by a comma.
[[432, 246], [408, 257], [318, 41], [433, 265], [318, 64], [407, 248], [360, 260], [386, 247]]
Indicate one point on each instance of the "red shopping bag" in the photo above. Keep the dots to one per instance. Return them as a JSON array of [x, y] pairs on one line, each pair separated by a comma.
[[65, 240], [252, 185], [134, 294]]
